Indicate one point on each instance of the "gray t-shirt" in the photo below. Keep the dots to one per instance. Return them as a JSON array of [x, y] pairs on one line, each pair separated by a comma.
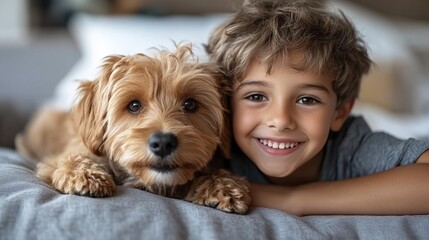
[[354, 151]]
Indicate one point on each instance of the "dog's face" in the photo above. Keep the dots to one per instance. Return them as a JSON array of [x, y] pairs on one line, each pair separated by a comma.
[[160, 119]]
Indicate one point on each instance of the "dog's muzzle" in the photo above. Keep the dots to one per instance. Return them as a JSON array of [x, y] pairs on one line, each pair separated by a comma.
[[162, 144]]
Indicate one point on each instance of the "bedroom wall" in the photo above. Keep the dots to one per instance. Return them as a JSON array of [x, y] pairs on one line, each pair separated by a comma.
[[29, 73], [410, 9]]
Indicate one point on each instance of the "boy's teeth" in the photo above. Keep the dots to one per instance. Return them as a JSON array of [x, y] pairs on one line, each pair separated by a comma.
[[278, 145]]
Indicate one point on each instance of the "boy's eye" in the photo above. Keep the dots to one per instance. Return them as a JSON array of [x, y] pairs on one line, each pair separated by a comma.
[[307, 101], [256, 98]]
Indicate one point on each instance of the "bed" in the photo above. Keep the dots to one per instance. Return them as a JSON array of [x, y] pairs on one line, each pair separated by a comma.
[[30, 209]]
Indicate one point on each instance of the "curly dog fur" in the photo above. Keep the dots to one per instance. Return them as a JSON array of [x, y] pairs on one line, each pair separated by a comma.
[[153, 123]]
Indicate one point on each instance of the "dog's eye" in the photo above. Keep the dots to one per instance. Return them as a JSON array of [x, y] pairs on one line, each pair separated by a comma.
[[190, 105], [134, 106]]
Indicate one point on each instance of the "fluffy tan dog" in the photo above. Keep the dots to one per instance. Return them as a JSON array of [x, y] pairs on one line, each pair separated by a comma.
[[158, 124]]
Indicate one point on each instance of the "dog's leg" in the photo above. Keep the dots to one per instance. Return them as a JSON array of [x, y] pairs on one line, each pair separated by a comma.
[[77, 174], [222, 191]]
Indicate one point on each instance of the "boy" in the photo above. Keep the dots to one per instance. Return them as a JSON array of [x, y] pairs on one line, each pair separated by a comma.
[[295, 68]]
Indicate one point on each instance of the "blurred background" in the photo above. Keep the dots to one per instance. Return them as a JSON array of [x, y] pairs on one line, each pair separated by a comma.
[[42, 45]]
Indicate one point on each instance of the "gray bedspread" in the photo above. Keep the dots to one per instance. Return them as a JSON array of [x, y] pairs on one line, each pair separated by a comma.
[[29, 209]]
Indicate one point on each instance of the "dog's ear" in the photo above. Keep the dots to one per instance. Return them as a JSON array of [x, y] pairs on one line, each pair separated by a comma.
[[224, 88], [225, 137], [89, 112], [225, 131]]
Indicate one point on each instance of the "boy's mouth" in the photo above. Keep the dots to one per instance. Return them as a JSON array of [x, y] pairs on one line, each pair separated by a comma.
[[278, 145]]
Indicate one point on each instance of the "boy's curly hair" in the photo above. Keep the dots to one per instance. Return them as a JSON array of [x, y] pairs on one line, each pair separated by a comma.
[[271, 30]]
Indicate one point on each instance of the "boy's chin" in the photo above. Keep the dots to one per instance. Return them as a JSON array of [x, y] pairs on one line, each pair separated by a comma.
[[276, 172]]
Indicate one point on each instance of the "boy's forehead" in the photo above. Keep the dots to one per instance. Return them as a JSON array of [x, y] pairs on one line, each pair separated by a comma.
[[294, 61]]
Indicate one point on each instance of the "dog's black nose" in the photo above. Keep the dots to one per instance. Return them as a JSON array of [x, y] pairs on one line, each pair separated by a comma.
[[162, 144]]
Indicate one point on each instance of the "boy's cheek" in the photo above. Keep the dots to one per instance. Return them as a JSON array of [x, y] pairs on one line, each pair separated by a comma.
[[240, 123]]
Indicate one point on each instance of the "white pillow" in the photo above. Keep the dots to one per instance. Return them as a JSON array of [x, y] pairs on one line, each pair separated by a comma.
[[98, 36]]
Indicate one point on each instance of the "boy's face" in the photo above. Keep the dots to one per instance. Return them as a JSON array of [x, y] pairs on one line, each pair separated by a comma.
[[282, 121]]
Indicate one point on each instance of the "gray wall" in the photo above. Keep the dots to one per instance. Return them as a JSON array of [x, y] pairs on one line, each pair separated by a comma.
[[29, 74]]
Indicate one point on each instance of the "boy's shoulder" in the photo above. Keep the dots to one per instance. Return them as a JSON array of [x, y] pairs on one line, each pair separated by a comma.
[[356, 151], [356, 123], [354, 129], [356, 135]]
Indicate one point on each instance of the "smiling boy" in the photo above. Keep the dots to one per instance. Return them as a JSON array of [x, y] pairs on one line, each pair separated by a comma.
[[295, 68]]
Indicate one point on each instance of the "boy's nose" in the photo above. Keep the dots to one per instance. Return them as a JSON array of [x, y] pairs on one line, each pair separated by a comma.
[[280, 118]]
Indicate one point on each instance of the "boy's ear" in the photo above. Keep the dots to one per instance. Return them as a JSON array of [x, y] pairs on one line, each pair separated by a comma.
[[341, 115]]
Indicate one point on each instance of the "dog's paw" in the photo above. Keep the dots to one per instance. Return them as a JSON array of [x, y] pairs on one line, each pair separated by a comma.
[[222, 191], [85, 183], [85, 180]]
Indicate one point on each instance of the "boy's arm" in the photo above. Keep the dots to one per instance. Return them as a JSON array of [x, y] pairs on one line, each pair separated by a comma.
[[401, 190]]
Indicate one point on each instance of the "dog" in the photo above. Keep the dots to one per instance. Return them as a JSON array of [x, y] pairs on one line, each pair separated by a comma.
[[154, 123]]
